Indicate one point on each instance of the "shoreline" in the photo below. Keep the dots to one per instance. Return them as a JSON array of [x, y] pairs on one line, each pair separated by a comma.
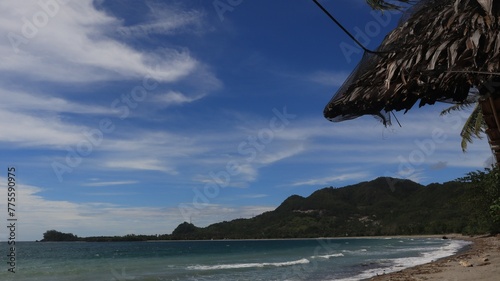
[[478, 261]]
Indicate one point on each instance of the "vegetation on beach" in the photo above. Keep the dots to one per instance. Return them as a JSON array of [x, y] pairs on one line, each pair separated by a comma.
[[483, 194], [54, 235], [384, 206], [57, 236]]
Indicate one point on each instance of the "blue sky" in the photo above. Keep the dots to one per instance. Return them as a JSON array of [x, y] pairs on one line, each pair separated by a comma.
[[133, 116]]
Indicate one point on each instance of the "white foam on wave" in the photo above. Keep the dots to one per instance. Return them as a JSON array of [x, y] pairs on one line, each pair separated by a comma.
[[328, 256], [355, 251], [247, 265], [401, 263]]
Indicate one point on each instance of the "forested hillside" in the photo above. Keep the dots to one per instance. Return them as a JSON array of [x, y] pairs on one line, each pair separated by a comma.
[[384, 206]]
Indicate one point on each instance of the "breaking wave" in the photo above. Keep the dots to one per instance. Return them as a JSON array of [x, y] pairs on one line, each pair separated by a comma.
[[247, 265]]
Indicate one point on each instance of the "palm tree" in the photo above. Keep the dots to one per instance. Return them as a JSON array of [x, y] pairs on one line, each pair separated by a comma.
[[440, 50]]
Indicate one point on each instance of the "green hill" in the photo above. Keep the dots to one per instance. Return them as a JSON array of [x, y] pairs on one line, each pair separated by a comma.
[[384, 206]]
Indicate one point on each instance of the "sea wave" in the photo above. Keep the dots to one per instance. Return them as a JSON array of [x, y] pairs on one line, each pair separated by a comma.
[[247, 265], [355, 251], [328, 256], [398, 264]]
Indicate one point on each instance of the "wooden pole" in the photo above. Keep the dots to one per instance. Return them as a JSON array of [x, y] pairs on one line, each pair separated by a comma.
[[495, 113]]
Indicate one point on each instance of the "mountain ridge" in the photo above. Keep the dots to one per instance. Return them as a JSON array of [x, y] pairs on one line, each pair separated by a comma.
[[383, 206]]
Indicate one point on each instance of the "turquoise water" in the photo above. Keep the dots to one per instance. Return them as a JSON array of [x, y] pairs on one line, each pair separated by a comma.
[[311, 259]]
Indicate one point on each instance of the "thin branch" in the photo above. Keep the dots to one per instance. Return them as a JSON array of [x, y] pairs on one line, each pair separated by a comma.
[[344, 29]]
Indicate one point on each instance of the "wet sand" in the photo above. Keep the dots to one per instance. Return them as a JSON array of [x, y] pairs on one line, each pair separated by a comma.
[[481, 261]]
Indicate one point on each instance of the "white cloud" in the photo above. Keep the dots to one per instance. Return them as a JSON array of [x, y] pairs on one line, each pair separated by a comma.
[[243, 175], [166, 20], [141, 164], [109, 183], [281, 153], [154, 142], [74, 44], [175, 98], [36, 102], [38, 131], [328, 78], [331, 179], [149, 150], [254, 196], [39, 120]]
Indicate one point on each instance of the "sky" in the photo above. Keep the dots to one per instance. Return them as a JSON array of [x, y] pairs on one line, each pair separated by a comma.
[[124, 116]]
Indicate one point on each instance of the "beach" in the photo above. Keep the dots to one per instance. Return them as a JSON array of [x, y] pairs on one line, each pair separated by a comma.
[[480, 261]]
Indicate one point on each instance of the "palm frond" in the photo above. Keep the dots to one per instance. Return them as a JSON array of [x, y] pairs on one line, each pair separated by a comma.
[[474, 127], [456, 107]]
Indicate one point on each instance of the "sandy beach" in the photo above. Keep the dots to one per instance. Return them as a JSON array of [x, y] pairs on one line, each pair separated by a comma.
[[480, 262]]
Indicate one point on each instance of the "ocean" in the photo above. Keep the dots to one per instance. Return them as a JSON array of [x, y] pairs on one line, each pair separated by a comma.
[[305, 259]]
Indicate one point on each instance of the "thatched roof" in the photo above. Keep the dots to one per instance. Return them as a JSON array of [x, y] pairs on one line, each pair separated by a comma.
[[440, 49]]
